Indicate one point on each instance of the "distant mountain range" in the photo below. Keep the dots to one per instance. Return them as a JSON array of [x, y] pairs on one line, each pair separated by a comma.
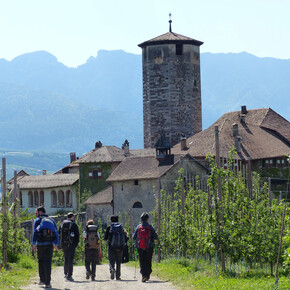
[[46, 106]]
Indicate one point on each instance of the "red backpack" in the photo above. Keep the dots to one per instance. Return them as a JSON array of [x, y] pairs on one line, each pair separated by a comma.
[[143, 237]]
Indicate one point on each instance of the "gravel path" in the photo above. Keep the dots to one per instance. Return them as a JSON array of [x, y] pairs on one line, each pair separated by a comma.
[[103, 281]]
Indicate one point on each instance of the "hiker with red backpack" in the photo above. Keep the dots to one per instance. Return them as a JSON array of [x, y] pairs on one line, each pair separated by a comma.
[[116, 243], [145, 235], [69, 239], [93, 251], [45, 235]]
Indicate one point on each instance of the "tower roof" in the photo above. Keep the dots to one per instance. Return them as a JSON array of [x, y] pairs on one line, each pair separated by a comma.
[[170, 38]]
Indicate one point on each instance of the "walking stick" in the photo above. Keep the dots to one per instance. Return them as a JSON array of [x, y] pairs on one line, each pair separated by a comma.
[[135, 254]]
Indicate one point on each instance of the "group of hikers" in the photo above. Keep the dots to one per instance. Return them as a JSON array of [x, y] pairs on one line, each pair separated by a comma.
[[46, 236]]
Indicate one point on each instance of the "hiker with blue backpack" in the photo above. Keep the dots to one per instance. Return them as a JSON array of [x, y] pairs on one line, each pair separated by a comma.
[[116, 241], [144, 236], [45, 236], [69, 239]]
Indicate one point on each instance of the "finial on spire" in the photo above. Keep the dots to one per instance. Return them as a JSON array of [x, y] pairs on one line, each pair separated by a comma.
[[170, 21]]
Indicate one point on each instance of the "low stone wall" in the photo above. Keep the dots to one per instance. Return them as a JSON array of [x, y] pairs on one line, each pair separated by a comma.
[[28, 225]]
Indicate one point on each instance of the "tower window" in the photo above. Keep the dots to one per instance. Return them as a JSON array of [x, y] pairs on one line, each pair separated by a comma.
[[179, 49], [137, 204]]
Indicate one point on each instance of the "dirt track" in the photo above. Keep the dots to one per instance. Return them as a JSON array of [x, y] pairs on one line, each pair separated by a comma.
[[103, 281]]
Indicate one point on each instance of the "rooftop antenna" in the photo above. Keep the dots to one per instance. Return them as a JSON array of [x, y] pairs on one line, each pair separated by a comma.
[[170, 21]]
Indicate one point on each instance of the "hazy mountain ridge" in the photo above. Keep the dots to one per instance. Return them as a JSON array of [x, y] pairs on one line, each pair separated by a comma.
[[47, 106]]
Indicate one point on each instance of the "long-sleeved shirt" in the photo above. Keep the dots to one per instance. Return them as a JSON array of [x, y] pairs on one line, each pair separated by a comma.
[[153, 234], [37, 227]]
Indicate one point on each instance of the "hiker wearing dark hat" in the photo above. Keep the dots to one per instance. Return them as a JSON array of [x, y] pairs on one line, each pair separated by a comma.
[[116, 242], [145, 235], [69, 239]]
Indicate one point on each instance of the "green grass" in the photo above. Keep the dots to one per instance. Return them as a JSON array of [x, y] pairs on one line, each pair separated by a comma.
[[18, 274], [183, 274]]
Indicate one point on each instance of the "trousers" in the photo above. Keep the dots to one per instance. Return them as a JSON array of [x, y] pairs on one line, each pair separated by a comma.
[[115, 257], [69, 254], [44, 256], [91, 260], [145, 259]]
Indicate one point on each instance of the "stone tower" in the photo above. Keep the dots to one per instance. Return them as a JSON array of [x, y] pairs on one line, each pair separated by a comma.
[[171, 87]]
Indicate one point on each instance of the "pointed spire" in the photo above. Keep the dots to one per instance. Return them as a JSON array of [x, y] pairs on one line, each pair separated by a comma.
[[170, 21]]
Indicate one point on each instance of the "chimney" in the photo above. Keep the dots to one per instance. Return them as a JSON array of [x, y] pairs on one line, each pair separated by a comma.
[[235, 130], [125, 148], [98, 144], [73, 157], [44, 172], [238, 143], [244, 110], [183, 145]]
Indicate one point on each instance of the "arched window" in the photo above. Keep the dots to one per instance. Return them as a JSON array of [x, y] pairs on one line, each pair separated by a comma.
[[137, 204], [30, 199], [20, 199], [41, 197], [36, 199], [53, 199], [68, 198], [60, 198]]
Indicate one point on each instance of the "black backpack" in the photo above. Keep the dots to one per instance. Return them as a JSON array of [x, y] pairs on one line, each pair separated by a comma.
[[66, 238], [117, 237]]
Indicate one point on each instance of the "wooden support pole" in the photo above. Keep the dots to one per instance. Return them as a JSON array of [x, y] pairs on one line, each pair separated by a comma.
[[19, 203], [220, 198], [4, 210], [249, 176], [281, 240], [159, 219], [182, 197]]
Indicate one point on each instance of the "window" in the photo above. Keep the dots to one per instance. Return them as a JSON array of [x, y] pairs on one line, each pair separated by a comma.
[[36, 198], [95, 174], [41, 197], [30, 199], [68, 198], [179, 49], [137, 204], [136, 182], [60, 198], [53, 199]]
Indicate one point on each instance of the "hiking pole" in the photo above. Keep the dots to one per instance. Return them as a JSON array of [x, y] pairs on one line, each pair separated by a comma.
[[135, 254]]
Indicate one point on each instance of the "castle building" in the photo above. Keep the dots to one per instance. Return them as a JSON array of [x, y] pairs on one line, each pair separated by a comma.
[[171, 87]]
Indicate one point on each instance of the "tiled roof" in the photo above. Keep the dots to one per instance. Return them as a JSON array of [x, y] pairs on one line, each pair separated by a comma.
[[102, 197], [170, 37], [260, 136], [103, 154], [47, 181], [141, 168]]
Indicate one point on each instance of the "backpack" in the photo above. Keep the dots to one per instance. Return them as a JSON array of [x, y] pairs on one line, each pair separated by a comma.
[[92, 241], [117, 238], [66, 235], [143, 237], [46, 234]]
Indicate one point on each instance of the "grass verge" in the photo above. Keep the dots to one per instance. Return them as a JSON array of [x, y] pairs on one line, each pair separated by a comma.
[[186, 274], [18, 274]]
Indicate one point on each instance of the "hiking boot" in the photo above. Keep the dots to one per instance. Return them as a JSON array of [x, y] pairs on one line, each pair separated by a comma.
[[88, 275], [118, 278], [144, 279], [41, 283], [47, 286], [93, 278], [70, 278], [112, 274]]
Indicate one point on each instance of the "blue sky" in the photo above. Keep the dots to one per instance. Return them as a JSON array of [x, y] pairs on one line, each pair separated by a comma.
[[74, 30]]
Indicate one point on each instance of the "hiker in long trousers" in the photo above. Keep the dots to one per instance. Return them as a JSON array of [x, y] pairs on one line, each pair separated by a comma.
[[45, 235], [145, 235], [69, 239], [93, 251], [116, 242]]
